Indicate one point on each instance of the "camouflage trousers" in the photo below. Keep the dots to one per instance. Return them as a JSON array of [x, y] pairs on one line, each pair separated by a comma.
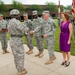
[[4, 40], [50, 45], [39, 43], [29, 42], [18, 52]]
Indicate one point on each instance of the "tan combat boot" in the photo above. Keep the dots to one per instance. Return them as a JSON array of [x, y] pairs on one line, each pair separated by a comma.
[[53, 58], [24, 71], [37, 54], [49, 62], [4, 52], [20, 73], [29, 52], [41, 55]]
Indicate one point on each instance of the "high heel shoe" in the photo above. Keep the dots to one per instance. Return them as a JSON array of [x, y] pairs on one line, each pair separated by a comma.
[[63, 63], [67, 64]]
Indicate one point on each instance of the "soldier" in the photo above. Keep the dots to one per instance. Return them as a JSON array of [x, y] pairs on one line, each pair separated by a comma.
[[16, 28], [48, 28], [3, 34], [28, 23], [38, 35]]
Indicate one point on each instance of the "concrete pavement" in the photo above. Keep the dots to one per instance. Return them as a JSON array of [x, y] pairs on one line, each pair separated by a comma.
[[35, 65]]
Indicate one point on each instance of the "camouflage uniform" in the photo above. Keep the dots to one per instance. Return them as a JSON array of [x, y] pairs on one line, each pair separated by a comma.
[[3, 34], [48, 27], [16, 28], [38, 35], [28, 23]]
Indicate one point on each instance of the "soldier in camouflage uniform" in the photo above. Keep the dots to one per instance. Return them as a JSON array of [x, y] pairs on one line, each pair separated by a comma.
[[38, 35], [16, 28], [28, 23], [48, 28], [3, 34]]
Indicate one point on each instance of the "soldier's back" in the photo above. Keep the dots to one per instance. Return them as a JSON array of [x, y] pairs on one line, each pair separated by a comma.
[[13, 27]]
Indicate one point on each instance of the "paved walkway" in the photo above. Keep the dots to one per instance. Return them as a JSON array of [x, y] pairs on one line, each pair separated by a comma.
[[35, 65]]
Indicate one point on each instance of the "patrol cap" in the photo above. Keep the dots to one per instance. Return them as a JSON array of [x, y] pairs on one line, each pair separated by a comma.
[[45, 12], [14, 12], [34, 12], [1, 15], [25, 14]]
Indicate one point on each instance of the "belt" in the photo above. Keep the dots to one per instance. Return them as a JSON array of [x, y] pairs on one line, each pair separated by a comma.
[[64, 32], [17, 36]]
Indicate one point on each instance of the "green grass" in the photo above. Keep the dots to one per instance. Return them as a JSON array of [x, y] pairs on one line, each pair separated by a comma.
[[56, 48]]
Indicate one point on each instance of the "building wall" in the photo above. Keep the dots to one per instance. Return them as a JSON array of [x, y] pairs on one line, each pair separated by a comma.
[[52, 13]]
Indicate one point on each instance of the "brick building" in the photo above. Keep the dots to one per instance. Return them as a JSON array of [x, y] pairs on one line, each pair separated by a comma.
[[52, 13]]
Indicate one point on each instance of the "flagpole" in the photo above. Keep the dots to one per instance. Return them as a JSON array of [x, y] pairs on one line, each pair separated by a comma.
[[59, 18]]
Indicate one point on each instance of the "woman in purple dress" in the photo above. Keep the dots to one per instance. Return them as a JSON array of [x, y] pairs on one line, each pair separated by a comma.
[[65, 38]]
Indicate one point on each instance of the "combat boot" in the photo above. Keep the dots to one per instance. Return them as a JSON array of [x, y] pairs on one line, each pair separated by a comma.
[[49, 62], [41, 55], [53, 58], [37, 54], [29, 52], [20, 73], [24, 71], [4, 52]]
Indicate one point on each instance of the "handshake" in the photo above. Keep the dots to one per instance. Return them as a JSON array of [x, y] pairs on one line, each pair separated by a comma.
[[4, 30], [32, 32]]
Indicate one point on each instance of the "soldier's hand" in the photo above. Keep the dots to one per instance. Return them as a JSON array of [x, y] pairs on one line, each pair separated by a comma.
[[46, 35], [32, 32]]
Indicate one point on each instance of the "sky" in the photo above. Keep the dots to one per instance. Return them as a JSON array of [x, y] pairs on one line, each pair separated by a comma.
[[41, 2]]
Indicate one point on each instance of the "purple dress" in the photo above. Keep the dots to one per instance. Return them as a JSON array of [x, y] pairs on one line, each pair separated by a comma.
[[64, 36]]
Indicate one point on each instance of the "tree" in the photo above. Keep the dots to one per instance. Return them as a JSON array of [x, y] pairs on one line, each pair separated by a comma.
[[3, 7], [35, 7], [51, 6], [61, 8], [68, 7], [17, 5]]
